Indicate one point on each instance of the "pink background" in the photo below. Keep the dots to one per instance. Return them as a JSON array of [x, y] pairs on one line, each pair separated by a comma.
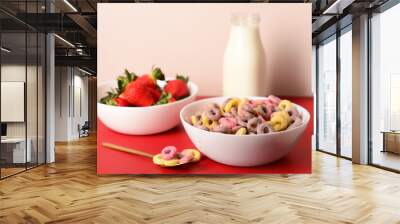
[[191, 39]]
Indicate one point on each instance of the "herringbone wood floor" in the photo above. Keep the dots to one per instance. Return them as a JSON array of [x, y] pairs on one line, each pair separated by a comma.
[[69, 191]]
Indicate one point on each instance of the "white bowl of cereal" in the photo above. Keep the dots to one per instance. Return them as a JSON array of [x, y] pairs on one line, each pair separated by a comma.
[[257, 140]]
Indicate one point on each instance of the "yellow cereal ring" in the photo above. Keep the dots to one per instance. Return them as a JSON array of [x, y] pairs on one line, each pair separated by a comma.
[[194, 119], [242, 102], [241, 131], [158, 160], [222, 110], [279, 122], [213, 124], [205, 121], [284, 114], [285, 105], [195, 153], [231, 103], [170, 163]]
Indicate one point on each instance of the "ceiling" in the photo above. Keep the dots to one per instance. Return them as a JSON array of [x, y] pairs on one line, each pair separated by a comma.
[[76, 22]]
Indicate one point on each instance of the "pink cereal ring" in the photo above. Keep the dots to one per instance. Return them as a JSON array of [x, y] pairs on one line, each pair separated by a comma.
[[186, 158], [271, 99], [168, 152], [269, 103], [220, 128], [264, 110], [270, 109], [274, 99], [253, 103], [258, 102], [228, 122], [234, 111]]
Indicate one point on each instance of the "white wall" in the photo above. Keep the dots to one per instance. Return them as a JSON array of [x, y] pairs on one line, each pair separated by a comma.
[[79, 117], [191, 39], [70, 83], [33, 127], [62, 82], [16, 72]]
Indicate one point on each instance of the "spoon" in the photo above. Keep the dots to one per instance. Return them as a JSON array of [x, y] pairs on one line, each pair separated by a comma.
[[157, 159]]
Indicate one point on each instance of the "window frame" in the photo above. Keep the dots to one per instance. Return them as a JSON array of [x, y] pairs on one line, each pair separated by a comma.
[[336, 36], [27, 29], [378, 10]]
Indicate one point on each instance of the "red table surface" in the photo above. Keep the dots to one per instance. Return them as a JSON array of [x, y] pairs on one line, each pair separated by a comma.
[[115, 162]]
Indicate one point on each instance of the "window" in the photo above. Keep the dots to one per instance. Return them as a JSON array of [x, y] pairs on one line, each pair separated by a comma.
[[334, 97], [346, 92], [326, 108], [385, 89], [22, 76]]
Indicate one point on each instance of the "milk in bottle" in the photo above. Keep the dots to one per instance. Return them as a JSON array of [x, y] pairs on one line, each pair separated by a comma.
[[244, 59]]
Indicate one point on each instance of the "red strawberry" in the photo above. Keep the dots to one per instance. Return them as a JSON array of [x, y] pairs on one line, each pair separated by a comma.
[[150, 80], [146, 80], [178, 87], [156, 92], [121, 102], [138, 95]]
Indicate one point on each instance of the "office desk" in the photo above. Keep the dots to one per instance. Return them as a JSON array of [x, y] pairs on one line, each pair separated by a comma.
[[391, 141], [13, 150]]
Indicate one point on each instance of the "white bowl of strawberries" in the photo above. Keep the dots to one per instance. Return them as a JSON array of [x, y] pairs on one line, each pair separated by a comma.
[[143, 105]]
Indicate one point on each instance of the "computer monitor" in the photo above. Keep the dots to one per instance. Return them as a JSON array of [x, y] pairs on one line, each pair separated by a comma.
[[3, 129]]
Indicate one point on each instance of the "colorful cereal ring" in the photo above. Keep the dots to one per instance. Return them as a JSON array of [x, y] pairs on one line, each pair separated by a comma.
[[206, 121], [285, 105], [213, 113], [264, 128], [231, 103], [241, 121], [294, 113], [264, 110], [195, 153], [273, 99], [195, 119], [281, 113], [241, 131], [168, 152], [158, 160], [279, 122], [253, 123], [221, 129], [228, 122], [225, 102], [202, 127], [245, 111], [186, 158], [170, 163]]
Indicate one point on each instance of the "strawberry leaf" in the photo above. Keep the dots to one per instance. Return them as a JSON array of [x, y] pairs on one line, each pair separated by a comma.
[[122, 83], [156, 73], [164, 98], [124, 80], [182, 77], [110, 98], [130, 75]]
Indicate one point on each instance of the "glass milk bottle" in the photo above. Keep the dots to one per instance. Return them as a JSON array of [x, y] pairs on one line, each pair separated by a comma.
[[244, 59]]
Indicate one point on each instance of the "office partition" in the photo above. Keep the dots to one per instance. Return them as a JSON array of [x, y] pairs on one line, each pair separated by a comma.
[[22, 77]]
